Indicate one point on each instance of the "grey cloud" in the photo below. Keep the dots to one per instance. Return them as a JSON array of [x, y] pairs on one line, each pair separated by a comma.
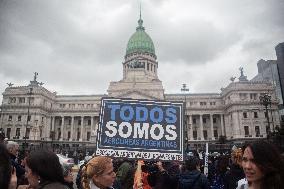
[[74, 49]]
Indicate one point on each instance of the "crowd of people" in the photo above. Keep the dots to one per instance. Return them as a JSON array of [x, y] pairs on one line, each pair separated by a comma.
[[258, 165]]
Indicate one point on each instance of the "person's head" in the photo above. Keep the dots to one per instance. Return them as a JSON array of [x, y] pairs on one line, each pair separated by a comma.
[[2, 135], [192, 163], [67, 173], [236, 156], [13, 148], [5, 167], [43, 166], [222, 165], [262, 164], [100, 170]]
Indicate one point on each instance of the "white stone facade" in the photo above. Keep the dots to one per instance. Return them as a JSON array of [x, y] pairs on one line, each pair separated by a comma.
[[235, 112]]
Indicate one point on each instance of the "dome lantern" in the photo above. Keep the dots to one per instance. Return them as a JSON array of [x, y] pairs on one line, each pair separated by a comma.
[[140, 41]]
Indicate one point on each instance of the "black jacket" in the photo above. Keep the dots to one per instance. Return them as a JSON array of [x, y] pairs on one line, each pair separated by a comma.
[[193, 179], [20, 170], [232, 176]]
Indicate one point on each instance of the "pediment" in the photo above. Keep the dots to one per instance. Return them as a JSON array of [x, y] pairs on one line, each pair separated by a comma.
[[136, 95]]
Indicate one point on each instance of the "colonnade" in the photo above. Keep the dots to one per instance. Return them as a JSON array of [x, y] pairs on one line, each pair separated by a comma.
[[60, 128], [198, 126]]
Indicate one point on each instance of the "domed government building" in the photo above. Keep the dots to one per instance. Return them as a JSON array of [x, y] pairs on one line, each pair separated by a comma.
[[70, 121]]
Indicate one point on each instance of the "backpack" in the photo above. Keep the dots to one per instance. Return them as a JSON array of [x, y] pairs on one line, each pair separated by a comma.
[[180, 186]]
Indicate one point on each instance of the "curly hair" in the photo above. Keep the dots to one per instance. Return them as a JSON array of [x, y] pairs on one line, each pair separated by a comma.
[[95, 166], [236, 156], [268, 159], [46, 165]]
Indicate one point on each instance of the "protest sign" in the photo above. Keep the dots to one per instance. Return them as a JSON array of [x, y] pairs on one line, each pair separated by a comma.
[[141, 129]]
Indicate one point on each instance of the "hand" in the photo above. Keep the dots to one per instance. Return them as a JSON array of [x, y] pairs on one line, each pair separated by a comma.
[[140, 186], [23, 187], [160, 166], [13, 181]]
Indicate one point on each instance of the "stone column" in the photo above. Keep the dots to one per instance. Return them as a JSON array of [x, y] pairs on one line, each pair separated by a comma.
[[201, 127], [82, 128], [96, 124], [92, 125], [62, 128], [211, 127], [236, 130], [72, 128], [53, 123], [222, 125], [191, 128]]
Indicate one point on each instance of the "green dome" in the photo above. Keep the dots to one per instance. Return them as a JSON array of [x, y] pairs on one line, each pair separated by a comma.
[[140, 41]]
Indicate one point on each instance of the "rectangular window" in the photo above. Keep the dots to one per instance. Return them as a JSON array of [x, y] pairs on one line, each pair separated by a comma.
[[255, 115], [69, 135], [194, 121], [79, 122], [215, 133], [253, 96], [245, 115], [59, 135], [88, 136], [202, 103], [8, 133], [246, 128], [89, 122], [12, 100], [78, 135], [18, 132], [29, 118], [22, 100], [10, 118], [28, 133], [205, 134], [257, 131], [214, 120], [212, 103], [31, 99], [194, 135], [19, 118], [243, 96], [204, 120], [265, 114], [69, 121]]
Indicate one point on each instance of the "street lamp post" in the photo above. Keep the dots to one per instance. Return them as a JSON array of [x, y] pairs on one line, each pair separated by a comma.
[[184, 89], [28, 116], [265, 100]]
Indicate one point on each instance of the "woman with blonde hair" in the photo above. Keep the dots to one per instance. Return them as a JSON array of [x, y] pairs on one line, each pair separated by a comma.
[[98, 173]]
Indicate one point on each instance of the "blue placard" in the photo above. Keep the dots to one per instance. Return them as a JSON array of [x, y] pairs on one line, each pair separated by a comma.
[[141, 129]]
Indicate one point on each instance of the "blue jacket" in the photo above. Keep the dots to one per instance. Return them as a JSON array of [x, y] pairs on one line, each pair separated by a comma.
[[193, 180]]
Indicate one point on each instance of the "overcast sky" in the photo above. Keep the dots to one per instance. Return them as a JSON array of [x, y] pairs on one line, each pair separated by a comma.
[[78, 46]]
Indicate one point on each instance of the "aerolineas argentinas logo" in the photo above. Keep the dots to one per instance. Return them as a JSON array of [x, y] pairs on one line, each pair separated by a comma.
[[140, 129]]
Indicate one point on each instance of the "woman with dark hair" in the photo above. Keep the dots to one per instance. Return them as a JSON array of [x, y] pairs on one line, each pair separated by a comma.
[[44, 171], [218, 180], [8, 178], [263, 166]]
